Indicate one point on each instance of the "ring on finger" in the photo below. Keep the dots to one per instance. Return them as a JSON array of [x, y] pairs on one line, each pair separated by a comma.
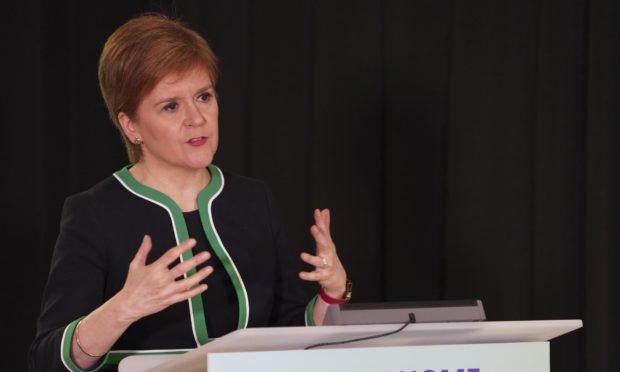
[[325, 264]]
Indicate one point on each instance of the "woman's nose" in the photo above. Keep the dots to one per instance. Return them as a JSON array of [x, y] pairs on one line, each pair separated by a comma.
[[195, 117]]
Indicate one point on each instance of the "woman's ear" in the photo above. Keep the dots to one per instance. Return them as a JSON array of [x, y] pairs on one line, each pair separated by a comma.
[[128, 126]]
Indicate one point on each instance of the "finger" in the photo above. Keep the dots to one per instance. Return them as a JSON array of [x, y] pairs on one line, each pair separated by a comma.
[[190, 283], [182, 296], [322, 219], [324, 244], [185, 266], [316, 261], [195, 279], [313, 276], [306, 257], [175, 252], [317, 215], [143, 251], [318, 219], [327, 218], [322, 240]]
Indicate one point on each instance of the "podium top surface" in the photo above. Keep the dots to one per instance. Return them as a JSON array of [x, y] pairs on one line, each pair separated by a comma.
[[298, 338], [452, 333]]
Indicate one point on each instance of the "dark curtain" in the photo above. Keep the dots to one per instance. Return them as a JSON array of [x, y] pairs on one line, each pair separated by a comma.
[[467, 149]]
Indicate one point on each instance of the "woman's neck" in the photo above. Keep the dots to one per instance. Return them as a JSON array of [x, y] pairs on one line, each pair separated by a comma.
[[180, 184]]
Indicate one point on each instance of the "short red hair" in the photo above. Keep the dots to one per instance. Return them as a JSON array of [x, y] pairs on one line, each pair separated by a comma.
[[138, 55]]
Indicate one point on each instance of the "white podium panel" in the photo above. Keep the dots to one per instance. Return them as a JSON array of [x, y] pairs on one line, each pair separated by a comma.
[[530, 357]]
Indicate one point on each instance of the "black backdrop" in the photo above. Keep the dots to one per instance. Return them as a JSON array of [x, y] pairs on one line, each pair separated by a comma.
[[467, 149]]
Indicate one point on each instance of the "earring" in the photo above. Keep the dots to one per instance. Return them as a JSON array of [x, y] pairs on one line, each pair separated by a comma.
[[137, 141]]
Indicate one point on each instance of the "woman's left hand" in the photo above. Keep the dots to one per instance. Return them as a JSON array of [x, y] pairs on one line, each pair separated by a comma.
[[328, 272]]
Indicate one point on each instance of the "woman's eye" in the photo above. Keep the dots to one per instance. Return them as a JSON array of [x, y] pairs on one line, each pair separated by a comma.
[[204, 96], [170, 106]]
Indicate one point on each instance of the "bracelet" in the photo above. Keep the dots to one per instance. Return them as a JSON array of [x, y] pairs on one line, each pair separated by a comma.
[[77, 341], [330, 300], [337, 301]]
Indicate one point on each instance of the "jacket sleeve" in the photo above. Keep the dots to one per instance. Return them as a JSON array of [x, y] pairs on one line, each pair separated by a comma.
[[292, 305], [74, 288]]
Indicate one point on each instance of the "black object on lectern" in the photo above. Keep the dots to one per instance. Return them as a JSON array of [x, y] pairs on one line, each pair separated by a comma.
[[401, 312]]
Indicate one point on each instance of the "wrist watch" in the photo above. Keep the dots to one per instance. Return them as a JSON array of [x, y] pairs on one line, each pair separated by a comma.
[[348, 291]]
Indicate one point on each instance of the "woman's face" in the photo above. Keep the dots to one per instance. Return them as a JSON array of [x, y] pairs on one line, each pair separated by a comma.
[[177, 121]]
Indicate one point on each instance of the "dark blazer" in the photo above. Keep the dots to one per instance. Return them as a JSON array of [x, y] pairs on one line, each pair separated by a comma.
[[101, 230]]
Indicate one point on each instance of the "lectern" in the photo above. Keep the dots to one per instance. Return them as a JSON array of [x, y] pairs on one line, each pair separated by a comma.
[[511, 346]]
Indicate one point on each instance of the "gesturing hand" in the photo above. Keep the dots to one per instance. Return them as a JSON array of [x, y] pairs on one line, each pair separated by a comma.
[[328, 272], [151, 288]]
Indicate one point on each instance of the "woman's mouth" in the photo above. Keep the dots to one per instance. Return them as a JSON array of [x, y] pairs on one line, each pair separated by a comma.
[[197, 141]]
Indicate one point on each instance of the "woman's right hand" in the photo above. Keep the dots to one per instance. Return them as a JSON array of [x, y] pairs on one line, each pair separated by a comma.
[[151, 288], [148, 289]]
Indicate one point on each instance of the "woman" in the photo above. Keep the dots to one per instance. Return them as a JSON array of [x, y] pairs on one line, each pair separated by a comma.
[[170, 251]]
